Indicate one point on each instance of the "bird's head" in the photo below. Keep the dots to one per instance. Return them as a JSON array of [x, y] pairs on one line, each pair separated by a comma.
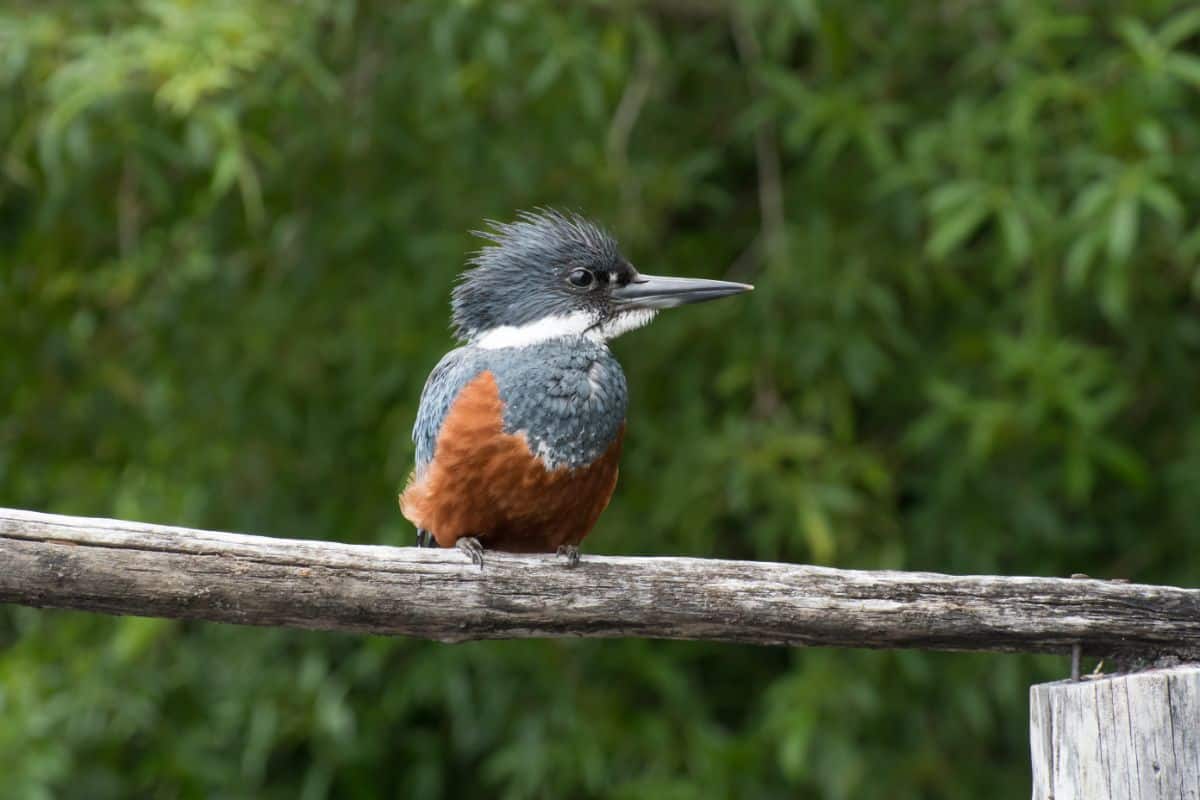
[[549, 275]]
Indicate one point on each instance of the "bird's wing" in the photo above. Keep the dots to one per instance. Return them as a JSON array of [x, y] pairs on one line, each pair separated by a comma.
[[453, 372]]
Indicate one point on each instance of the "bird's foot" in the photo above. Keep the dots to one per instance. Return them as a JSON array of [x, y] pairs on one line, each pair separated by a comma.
[[473, 548], [425, 538], [570, 552]]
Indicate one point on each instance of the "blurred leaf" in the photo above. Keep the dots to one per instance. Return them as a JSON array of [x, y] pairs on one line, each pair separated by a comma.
[[1123, 231], [953, 228]]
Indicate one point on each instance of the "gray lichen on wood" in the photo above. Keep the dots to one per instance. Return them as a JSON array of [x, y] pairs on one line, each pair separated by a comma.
[[121, 567], [1123, 737]]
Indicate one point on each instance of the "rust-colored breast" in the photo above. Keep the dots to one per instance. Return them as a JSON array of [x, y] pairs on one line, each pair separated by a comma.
[[486, 483]]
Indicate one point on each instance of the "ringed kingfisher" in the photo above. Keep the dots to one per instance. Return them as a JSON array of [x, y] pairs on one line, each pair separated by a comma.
[[519, 430]]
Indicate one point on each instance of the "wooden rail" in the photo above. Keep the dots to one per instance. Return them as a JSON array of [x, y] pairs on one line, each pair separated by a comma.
[[119, 567]]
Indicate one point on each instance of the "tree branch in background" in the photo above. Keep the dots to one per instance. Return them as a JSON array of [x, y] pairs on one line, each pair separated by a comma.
[[766, 145], [625, 117]]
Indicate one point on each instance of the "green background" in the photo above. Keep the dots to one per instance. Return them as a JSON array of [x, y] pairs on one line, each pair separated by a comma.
[[228, 231]]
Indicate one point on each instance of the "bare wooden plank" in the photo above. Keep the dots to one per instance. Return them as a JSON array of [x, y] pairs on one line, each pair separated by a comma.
[[119, 567], [1118, 737]]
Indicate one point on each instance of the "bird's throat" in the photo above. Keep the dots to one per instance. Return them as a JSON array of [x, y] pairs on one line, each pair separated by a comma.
[[576, 323]]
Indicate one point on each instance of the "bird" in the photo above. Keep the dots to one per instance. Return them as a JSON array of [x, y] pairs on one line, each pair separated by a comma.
[[519, 430]]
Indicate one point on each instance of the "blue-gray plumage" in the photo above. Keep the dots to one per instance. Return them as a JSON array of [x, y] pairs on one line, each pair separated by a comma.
[[519, 430], [566, 395]]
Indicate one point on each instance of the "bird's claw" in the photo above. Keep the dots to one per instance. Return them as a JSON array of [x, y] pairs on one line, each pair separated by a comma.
[[570, 552], [473, 548], [424, 538]]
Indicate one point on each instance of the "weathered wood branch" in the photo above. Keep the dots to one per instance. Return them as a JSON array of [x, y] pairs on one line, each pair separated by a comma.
[[121, 567]]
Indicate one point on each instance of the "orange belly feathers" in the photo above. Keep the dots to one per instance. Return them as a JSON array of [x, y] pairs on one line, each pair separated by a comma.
[[486, 483]]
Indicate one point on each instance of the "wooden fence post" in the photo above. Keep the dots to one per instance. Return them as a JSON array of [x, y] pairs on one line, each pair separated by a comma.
[[1117, 737]]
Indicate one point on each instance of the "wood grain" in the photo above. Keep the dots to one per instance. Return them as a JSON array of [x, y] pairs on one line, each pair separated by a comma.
[[1124, 737], [119, 567]]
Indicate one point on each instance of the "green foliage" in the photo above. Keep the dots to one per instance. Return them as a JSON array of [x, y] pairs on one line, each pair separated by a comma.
[[227, 236]]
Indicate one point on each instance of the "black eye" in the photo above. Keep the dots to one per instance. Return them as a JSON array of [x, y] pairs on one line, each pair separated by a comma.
[[581, 278]]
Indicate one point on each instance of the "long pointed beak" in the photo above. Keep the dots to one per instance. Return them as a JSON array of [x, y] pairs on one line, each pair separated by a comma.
[[655, 291]]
